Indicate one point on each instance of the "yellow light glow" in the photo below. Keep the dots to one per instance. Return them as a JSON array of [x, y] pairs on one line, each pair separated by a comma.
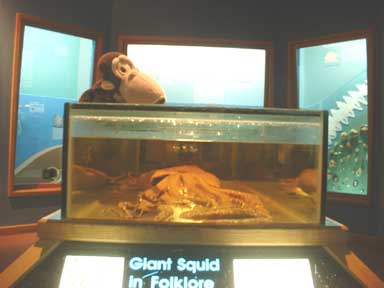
[[331, 57], [92, 271], [272, 273]]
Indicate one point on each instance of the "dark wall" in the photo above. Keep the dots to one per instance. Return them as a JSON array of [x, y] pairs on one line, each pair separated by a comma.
[[76, 13], [379, 120], [238, 20]]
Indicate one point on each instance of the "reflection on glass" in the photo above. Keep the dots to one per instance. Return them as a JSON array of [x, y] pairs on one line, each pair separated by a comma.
[[334, 77], [204, 75], [55, 68], [272, 273], [92, 271]]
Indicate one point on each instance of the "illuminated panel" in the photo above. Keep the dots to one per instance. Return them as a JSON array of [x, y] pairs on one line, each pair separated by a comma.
[[204, 75], [92, 271], [272, 273], [46, 83], [334, 77]]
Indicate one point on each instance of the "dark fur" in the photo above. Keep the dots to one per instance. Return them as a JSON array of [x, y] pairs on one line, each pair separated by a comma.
[[96, 93]]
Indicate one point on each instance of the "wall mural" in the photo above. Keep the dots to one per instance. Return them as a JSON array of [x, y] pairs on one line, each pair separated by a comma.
[[348, 143], [333, 77], [55, 68]]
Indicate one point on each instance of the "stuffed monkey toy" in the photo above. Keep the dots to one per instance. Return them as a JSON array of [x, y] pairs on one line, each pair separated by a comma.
[[122, 82]]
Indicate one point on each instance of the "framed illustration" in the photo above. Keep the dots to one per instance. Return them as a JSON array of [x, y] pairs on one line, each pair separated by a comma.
[[335, 73], [205, 71], [52, 64]]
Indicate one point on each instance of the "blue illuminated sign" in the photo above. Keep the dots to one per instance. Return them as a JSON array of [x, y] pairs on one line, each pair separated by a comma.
[[172, 273]]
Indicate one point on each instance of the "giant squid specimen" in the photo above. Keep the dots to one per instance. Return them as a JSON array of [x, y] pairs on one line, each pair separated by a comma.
[[185, 193]]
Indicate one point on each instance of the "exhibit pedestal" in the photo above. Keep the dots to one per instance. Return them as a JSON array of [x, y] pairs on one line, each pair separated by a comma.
[[54, 232]]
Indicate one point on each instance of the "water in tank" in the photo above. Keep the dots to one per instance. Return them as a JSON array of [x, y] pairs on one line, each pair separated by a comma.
[[209, 165]]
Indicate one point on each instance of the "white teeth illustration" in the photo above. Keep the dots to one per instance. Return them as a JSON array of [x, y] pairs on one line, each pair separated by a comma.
[[354, 101]]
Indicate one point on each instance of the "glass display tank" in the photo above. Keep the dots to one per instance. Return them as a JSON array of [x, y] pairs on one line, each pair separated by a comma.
[[198, 165]]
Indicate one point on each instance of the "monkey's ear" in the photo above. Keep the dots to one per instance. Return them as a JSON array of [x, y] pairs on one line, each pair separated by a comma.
[[107, 85], [122, 66]]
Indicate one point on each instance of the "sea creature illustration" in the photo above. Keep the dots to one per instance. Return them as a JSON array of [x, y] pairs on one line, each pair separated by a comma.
[[348, 162], [348, 142], [58, 121], [354, 101]]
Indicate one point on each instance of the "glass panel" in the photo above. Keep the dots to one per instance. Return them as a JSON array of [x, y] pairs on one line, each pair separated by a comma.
[[172, 164], [334, 77], [204, 75], [171, 125], [55, 68]]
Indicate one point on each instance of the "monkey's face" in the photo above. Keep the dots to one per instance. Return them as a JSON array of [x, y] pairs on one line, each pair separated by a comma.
[[135, 87]]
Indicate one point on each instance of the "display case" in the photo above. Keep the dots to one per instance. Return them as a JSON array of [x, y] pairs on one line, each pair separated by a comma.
[[201, 165], [171, 196]]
